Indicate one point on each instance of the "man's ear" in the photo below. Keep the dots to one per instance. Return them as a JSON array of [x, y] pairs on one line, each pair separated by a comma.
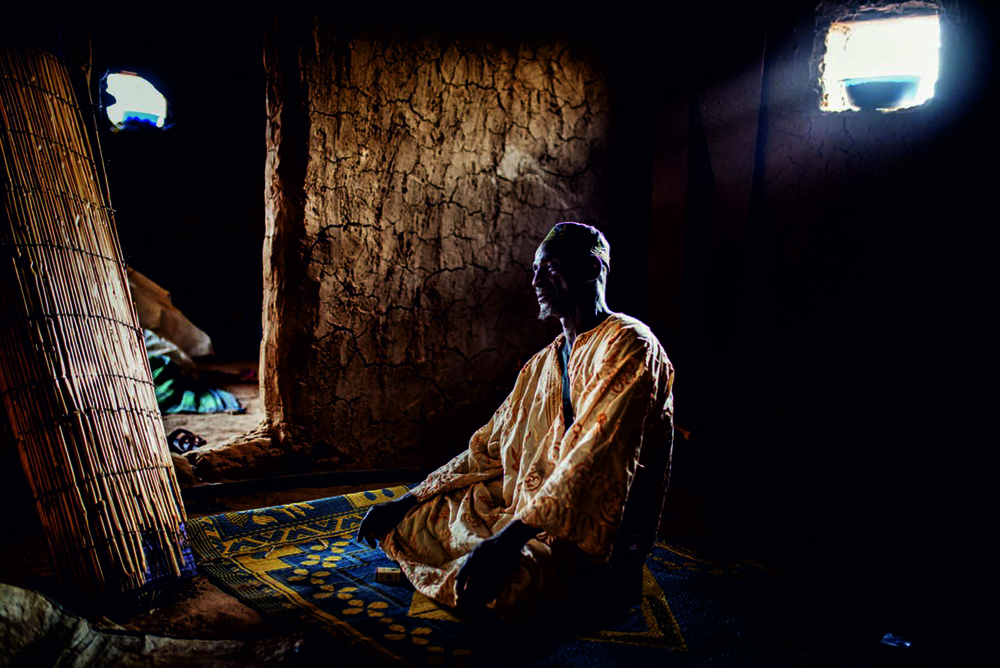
[[593, 268]]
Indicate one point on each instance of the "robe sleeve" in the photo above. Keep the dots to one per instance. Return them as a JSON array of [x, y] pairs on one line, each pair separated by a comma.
[[482, 460], [583, 496]]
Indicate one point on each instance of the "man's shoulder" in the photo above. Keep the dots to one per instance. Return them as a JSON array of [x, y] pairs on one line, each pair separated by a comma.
[[624, 328], [626, 322], [631, 337]]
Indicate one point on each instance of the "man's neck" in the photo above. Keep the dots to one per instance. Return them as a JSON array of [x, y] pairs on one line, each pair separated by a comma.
[[583, 320]]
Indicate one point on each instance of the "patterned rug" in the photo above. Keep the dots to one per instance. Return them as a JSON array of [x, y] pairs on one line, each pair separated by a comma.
[[299, 563]]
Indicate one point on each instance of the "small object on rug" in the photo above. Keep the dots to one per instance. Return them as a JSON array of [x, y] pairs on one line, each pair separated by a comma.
[[389, 575], [182, 440]]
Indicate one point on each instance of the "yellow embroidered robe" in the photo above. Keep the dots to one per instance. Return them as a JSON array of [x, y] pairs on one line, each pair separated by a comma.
[[524, 464]]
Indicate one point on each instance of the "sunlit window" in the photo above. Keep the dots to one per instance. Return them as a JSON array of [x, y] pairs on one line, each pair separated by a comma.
[[880, 64], [136, 102]]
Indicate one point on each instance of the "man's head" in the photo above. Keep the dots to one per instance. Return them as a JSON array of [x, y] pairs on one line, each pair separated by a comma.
[[570, 270]]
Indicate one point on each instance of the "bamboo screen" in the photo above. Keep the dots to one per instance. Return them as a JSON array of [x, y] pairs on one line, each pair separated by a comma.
[[74, 376]]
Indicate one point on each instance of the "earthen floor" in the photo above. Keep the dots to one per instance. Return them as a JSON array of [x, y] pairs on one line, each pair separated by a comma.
[[197, 608]]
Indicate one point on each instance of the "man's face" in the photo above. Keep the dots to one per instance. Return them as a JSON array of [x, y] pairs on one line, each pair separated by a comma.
[[558, 281]]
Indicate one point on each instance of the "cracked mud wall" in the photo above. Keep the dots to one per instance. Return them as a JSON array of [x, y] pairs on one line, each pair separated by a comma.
[[409, 180]]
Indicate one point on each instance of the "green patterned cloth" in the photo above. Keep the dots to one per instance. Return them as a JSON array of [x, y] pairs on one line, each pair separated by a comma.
[[178, 393]]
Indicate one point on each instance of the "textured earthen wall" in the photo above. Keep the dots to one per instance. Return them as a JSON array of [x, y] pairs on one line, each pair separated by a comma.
[[409, 180]]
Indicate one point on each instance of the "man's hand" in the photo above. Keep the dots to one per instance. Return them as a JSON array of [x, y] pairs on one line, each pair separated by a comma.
[[490, 565], [383, 517]]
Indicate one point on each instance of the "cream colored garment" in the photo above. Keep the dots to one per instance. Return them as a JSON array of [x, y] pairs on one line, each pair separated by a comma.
[[524, 464]]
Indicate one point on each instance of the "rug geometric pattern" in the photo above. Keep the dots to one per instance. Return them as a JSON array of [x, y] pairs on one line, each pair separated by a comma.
[[299, 562]]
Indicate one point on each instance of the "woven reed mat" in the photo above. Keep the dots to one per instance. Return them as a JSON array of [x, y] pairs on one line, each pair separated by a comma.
[[74, 378], [299, 564]]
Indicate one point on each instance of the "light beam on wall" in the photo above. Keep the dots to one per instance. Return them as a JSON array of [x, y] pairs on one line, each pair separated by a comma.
[[137, 102], [880, 64]]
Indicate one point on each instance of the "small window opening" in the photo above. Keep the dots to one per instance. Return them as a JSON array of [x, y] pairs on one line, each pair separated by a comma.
[[137, 102], [880, 64]]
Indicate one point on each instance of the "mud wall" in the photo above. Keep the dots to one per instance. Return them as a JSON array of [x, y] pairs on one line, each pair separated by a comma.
[[409, 178]]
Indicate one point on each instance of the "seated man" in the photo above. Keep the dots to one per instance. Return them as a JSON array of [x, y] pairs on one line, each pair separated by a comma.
[[535, 509]]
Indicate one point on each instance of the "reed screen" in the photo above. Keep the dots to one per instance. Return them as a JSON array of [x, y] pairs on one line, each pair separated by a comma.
[[74, 376]]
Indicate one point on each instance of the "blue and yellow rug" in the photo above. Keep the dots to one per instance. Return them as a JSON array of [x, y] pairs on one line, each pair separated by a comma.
[[299, 563]]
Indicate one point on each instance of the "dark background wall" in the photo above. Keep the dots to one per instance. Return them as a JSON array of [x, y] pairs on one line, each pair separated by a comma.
[[825, 277], [188, 200]]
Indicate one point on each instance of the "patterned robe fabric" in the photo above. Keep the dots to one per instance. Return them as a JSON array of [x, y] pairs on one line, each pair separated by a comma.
[[572, 484]]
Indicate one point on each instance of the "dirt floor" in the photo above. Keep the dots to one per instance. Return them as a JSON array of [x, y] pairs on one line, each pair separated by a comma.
[[195, 608], [199, 609], [238, 377]]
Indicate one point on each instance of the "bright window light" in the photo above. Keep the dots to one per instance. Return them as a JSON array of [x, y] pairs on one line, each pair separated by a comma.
[[880, 64], [137, 102]]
